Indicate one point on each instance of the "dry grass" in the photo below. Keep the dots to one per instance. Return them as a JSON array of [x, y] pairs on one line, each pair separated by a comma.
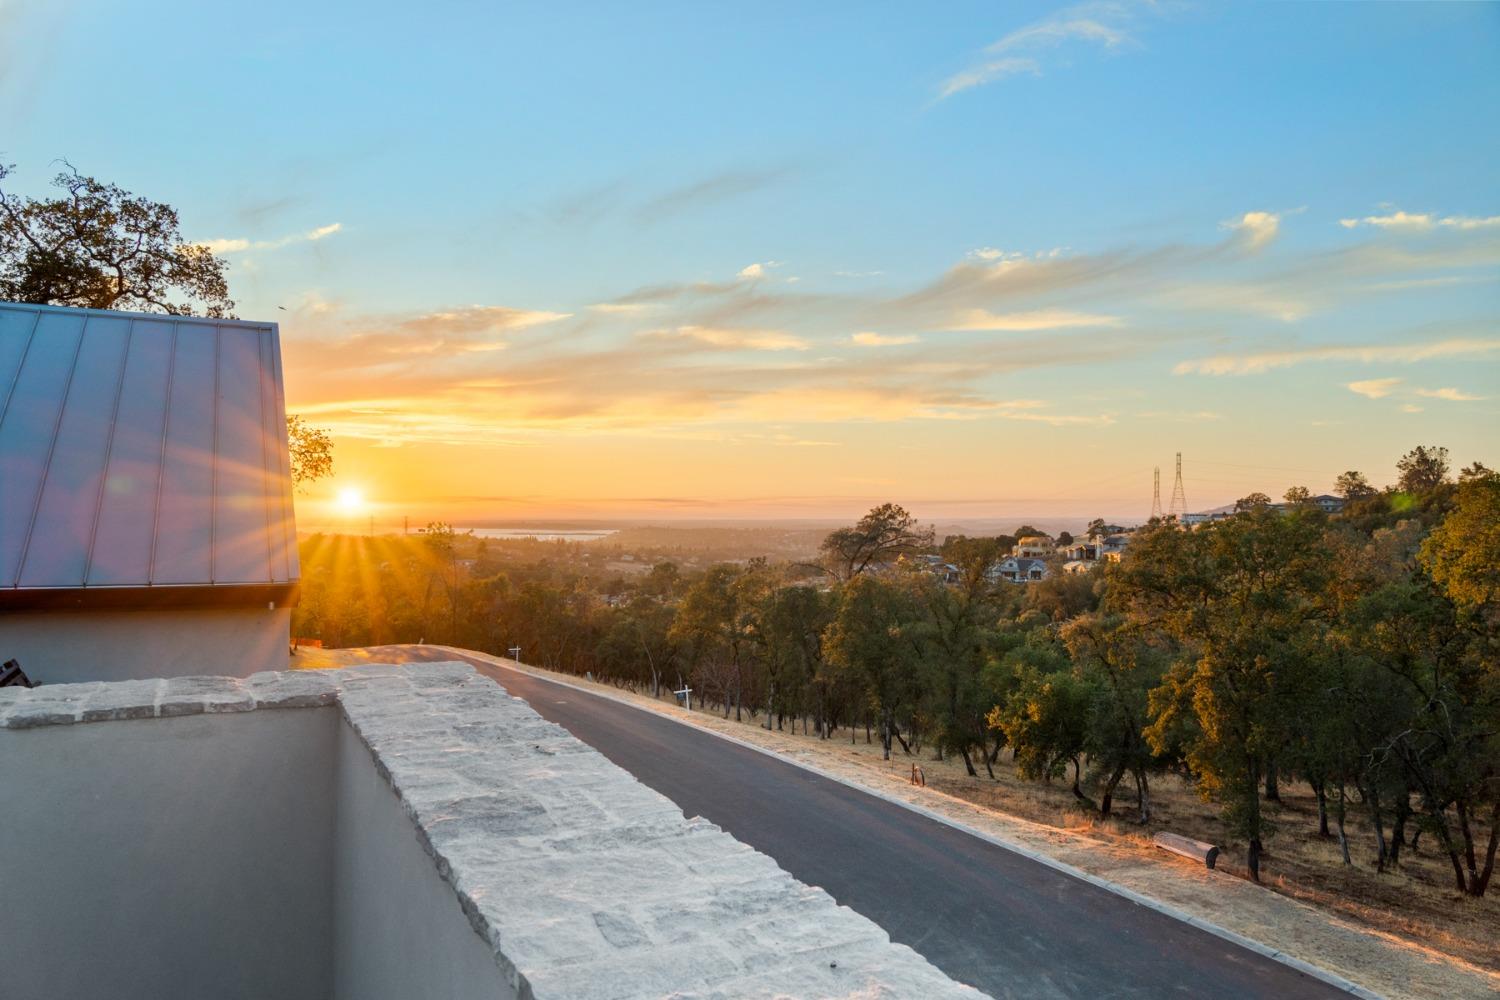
[[1416, 902]]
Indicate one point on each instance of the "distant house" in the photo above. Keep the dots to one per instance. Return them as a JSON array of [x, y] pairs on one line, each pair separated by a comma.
[[1193, 520], [1033, 547], [1330, 503], [1326, 502], [1112, 547], [1018, 569], [934, 564], [1084, 550], [146, 524]]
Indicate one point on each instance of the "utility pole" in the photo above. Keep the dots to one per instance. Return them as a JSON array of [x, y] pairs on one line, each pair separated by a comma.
[[1156, 493]]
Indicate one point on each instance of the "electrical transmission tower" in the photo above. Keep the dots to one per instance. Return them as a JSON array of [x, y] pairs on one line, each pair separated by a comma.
[[1156, 493], [1179, 498]]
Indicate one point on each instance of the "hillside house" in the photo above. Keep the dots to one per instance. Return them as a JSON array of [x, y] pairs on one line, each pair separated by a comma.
[[1016, 569], [1033, 547], [146, 523]]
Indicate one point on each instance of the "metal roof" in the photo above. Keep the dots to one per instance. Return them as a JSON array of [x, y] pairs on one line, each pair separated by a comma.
[[141, 451]]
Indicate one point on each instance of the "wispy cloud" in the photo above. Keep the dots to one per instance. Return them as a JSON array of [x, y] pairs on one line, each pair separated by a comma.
[[1450, 394], [1023, 50], [988, 72], [712, 190], [721, 356], [478, 319], [1256, 364], [1036, 319], [754, 340], [1180, 416], [867, 339], [1418, 221], [621, 308], [1256, 228], [754, 272], [233, 246], [1374, 388]]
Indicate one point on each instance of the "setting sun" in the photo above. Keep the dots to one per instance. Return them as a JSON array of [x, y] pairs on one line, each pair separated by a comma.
[[351, 500]]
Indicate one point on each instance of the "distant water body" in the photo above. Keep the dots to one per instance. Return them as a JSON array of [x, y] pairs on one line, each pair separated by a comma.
[[542, 535]]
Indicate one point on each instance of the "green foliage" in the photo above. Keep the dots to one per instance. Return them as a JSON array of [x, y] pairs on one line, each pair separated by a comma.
[[100, 247], [1046, 721], [1422, 469], [882, 536], [311, 450], [1463, 553], [1353, 485], [874, 643], [1239, 597]]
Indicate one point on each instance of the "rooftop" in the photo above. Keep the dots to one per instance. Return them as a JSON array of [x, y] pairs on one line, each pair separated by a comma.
[[141, 451]]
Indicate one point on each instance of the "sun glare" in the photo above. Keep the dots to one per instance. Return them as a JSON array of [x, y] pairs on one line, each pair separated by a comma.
[[351, 500]]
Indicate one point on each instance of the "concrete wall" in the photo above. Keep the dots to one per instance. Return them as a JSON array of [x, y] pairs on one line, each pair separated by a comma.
[[163, 858], [399, 932], [246, 854], [63, 647]]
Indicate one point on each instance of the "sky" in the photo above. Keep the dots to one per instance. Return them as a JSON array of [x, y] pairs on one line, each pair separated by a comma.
[[690, 260]]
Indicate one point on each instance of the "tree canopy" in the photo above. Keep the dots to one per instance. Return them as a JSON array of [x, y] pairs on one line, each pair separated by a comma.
[[98, 246]]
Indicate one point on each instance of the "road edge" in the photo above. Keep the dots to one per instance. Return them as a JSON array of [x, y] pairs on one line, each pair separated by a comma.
[[1250, 944]]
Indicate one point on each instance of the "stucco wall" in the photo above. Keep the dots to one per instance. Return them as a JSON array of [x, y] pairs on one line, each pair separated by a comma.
[[398, 930], [226, 854], [64, 647], [161, 858]]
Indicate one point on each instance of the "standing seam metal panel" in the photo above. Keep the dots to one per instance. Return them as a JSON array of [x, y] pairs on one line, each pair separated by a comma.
[[41, 479], [134, 451]]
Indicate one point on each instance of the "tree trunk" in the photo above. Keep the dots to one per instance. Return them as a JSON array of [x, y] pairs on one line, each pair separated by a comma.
[[968, 764], [1273, 785], [1382, 854], [1489, 854], [1473, 887], [1252, 860], [1398, 827], [1322, 795], [1078, 790], [1343, 837], [1143, 795], [1445, 836], [1107, 799]]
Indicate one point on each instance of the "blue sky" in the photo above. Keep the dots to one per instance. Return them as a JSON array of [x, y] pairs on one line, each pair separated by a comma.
[[680, 258]]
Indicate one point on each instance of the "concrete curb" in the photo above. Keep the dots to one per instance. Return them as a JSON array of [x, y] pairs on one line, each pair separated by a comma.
[[1249, 944]]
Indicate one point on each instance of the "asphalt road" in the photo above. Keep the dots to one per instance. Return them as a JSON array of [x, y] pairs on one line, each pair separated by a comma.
[[986, 916]]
